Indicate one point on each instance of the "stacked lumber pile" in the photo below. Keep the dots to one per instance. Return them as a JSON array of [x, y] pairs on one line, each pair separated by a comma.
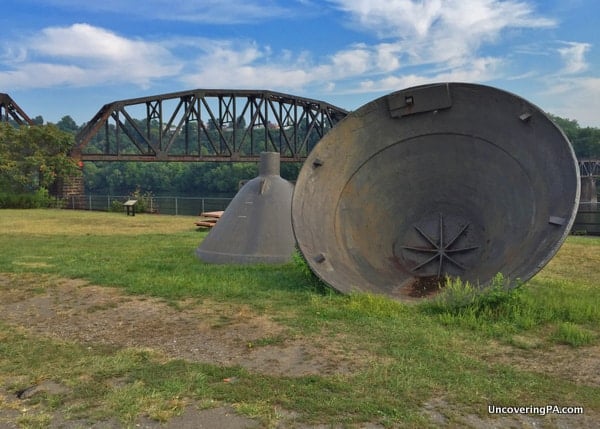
[[209, 219]]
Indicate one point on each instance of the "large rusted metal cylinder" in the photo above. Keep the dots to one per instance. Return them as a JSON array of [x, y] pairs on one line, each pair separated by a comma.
[[449, 179], [256, 227]]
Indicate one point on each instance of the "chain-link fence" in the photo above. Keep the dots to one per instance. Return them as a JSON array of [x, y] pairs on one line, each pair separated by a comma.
[[587, 221], [172, 205]]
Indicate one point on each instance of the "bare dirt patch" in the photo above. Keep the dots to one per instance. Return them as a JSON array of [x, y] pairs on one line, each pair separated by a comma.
[[422, 287], [209, 332], [577, 365], [216, 333]]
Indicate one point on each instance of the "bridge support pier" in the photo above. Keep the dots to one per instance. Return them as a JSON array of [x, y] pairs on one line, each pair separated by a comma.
[[71, 189], [589, 192]]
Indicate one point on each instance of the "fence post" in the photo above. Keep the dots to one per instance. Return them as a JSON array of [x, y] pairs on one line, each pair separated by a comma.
[[202, 211], [175, 206]]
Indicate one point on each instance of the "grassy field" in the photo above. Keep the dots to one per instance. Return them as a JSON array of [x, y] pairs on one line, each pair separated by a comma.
[[412, 365]]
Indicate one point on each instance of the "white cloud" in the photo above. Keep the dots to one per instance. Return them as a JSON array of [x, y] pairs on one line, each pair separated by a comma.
[[212, 11], [230, 64], [388, 57], [206, 11], [83, 55], [435, 31], [480, 70], [573, 97], [573, 55], [413, 20], [444, 36], [41, 75], [227, 64]]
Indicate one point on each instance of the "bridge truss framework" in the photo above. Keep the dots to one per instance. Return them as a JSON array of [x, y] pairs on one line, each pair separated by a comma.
[[206, 125], [589, 167], [10, 111]]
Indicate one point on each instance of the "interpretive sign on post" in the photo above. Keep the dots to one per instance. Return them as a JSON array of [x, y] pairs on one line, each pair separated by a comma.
[[130, 207]]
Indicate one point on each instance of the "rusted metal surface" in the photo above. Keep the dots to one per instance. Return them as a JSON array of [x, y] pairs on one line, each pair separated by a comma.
[[256, 227], [206, 125], [450, 179], [10, 111]]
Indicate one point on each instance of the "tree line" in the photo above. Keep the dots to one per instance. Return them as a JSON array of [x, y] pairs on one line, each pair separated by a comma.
[[173, 178], [585, 140]]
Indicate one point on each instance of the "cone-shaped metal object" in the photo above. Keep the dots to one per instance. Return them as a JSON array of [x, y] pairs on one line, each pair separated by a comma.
[[256, 227], [439, 180]]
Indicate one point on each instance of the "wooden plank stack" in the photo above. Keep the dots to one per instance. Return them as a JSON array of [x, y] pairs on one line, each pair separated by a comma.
[[209, 219]]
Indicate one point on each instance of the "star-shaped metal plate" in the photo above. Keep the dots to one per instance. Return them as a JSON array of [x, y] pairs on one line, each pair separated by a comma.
[[440, 250]]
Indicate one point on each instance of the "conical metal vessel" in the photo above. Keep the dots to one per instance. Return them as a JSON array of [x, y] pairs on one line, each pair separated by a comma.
[[256, 227], [449, 179]]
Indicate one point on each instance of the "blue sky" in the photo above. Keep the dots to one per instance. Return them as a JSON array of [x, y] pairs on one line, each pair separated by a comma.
[[69, 57]]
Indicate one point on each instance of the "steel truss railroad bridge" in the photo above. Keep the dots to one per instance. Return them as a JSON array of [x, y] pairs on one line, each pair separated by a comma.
[[206, 125]]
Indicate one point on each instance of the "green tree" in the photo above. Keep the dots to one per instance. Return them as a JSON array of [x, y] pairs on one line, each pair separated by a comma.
[[570, 127], [94, 177], [585, 141], [240, 123], [68, 125], [212, 125], [38, 120], [32, 158]]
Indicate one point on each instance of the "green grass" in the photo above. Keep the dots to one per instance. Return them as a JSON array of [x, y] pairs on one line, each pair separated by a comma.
[[501, 312], [573, 335], [438, 349]]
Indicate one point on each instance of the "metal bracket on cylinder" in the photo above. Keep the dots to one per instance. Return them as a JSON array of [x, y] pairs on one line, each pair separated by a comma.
[[421, 99], [319, 258], [525, 117], [557, 220]]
